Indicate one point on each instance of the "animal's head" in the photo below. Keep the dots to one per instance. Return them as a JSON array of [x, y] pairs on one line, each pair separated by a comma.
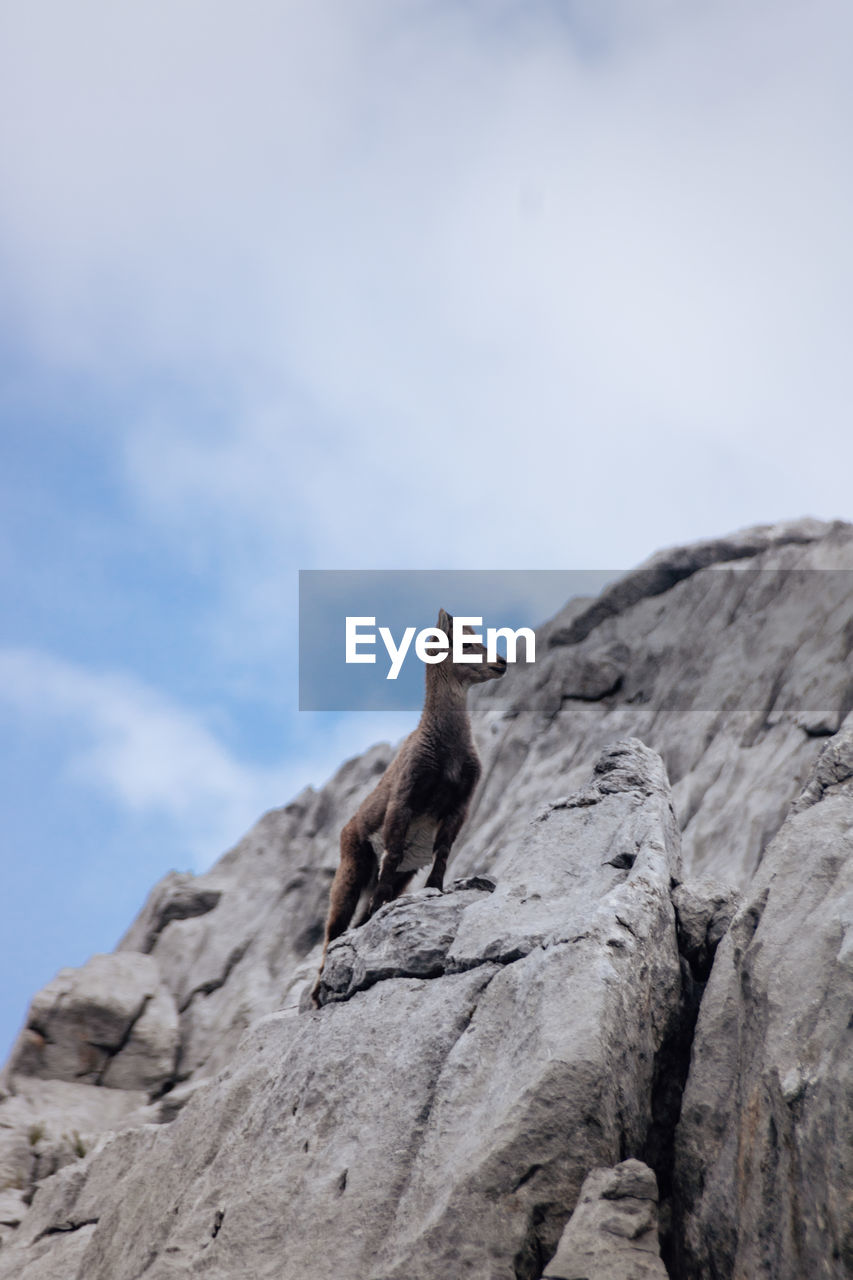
[[469, 672]]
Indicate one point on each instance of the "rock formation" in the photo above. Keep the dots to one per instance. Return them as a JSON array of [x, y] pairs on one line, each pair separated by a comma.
[[612, 1234], [764, 1155], [638, 986]]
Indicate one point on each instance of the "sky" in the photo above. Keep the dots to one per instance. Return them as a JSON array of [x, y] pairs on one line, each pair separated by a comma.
[[369, 284]]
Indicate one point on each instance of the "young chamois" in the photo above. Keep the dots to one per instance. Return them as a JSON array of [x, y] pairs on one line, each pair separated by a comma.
[[414, 813]]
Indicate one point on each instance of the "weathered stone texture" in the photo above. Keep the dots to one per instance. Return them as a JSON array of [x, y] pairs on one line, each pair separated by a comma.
[[765, 1144], [111, 1022], [409, 1107], [613, 1232], [480, 1052]]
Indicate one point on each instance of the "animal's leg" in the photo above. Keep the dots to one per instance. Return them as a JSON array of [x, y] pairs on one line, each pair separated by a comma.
[[351, 878], [402, 880], [397, 820], [355, 869], [364, 913], [448, 830]]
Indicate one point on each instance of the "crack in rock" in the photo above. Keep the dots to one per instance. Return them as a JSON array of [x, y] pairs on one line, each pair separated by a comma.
[[214, 984], [123, 1042], [64, 1228], [441, 969], [704, 912]]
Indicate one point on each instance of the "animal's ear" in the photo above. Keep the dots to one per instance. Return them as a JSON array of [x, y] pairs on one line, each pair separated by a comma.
[[445, 622]]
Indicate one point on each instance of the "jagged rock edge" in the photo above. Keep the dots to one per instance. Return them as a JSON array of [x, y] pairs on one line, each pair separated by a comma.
[[66, 1228], [172, 912], [663, 572], [500, 961]]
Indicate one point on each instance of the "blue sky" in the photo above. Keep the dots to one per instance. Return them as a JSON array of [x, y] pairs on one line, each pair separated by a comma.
[[369, 285]]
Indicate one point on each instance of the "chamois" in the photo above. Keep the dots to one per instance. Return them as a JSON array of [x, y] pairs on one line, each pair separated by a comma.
[[414, 813]]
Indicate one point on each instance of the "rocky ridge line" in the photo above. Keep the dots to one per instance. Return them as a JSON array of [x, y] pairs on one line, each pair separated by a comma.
[[738, 676]]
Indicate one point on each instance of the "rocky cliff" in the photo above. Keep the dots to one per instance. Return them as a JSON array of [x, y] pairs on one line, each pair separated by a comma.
[[617, 1046]]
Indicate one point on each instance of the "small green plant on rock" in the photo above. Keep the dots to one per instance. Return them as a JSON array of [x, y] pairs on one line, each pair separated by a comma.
[[36, 1133]]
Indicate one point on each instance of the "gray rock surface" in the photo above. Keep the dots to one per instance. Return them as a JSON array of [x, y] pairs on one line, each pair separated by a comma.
[[832, 771], [97, 1042], [613, 1232], [666, 569], [229, 965], [408, 1108], [111, 1022], [409, 939], [179, 896], [704, 909], [13, 1206], [765, 1142], [716, 673], [546, 1023], [46, 1124], [734, 655]]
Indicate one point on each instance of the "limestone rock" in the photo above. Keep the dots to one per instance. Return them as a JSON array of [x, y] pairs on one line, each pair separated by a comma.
[[12, 1210], [179, 896], [763, 1147], [407, 939], [232, 964], [666, 569], [704, 909], [366, 1138], [584, 677], [613, 1232], [111, 1022], [301, 1119], [731, 652], [581, 874], [833, 768], [717, 656], [514, 1039], [715, 673], [47, 1124]]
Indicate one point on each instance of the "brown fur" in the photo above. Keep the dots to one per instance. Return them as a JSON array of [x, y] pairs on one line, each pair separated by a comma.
[[429, 782]]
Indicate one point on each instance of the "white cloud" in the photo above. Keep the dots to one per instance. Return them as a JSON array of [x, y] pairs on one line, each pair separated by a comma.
[[451, 285], [152, 756]]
